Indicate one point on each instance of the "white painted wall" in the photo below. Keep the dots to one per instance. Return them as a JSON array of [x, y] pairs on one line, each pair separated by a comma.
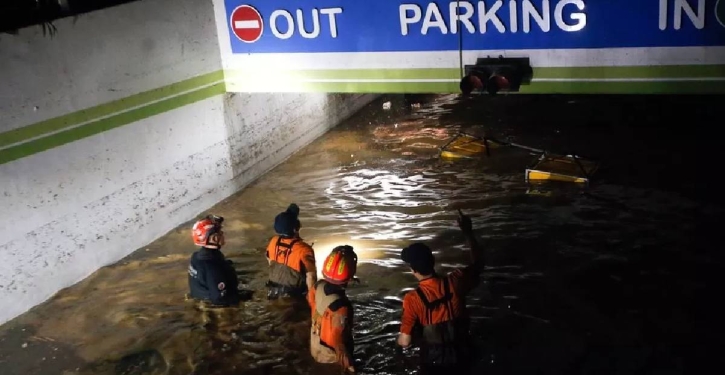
[[72, 209], [259, 140]]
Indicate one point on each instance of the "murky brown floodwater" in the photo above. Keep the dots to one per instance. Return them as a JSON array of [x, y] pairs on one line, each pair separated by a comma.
[[607, 282]]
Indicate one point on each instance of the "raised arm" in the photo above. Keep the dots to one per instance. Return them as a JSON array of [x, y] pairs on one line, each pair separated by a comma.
[[477, 251]]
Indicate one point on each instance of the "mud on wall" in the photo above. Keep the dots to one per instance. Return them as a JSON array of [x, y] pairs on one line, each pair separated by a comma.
[[119, 129]]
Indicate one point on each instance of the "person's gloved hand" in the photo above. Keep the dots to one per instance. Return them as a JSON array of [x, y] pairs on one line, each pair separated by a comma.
[[464, 222]]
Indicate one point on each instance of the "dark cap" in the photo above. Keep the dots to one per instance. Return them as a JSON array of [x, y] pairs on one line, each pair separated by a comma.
[[419, 257], [285, 223]]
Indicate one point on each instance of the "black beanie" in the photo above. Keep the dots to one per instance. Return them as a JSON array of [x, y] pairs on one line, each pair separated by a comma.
[[287, 222], [419, 257], [293, 210]]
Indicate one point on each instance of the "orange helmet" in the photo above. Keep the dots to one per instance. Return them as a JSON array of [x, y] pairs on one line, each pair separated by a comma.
[[207, 232], [340, 265]]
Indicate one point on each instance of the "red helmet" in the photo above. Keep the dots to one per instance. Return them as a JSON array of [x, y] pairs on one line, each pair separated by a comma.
[[340, 265], [207, 232]]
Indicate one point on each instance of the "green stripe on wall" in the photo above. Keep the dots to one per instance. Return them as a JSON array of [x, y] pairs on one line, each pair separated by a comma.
[[651, 87], [99, 126], [668, 71], [368, 87], [88, 114], [672, 87]]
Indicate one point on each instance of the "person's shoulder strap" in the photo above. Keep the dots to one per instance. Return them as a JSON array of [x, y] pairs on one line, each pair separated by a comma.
[[283, 248], [447, 294], [447, 290], [446, 300], [422, 296], [281, 243], [340, 303], [324, 300]]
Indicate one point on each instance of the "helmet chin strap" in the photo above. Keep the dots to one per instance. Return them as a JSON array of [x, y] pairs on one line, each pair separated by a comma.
[[217, 244]]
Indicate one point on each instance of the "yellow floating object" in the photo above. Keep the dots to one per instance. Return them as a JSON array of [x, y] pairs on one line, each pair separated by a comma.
[[547, 167], [567, 168], [465, 146]]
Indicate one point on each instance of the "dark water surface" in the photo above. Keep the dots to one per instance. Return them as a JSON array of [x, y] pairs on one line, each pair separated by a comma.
[[616, 279]]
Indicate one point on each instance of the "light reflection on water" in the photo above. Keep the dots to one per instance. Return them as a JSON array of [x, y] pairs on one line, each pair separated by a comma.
[[553, 264]]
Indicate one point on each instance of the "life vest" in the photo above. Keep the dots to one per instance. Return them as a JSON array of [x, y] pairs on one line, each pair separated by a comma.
[[321, 341], [280, 272], [444, 342]]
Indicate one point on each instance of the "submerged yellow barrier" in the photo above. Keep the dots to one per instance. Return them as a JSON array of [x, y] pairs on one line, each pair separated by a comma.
[[465, 146], [568, 168], [551, 167]]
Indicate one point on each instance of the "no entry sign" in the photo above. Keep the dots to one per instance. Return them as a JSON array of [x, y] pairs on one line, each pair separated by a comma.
[[246, 23]]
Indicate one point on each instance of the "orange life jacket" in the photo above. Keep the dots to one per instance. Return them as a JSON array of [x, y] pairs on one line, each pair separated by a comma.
[[281, 272], [322, 338], [444, 335]]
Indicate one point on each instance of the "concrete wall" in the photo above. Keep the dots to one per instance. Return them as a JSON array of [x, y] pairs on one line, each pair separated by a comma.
[[119, 129], [264, 129]]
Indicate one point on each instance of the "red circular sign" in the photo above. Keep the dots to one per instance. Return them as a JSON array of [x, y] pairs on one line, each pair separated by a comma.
[[246, 23]]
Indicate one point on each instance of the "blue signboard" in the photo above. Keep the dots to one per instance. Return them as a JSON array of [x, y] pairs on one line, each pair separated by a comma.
[[313, 26]]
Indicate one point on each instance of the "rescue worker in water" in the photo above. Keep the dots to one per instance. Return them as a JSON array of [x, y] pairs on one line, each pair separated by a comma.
[[292, 269], [331, 338], [438, 306], [211, 277]]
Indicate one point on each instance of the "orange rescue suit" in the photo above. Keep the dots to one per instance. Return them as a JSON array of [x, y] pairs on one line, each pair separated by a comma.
[[438, 305], [331, 338], [291, 259]]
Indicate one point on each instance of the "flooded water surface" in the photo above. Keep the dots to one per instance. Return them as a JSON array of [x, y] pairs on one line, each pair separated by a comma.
[[612, 279]]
